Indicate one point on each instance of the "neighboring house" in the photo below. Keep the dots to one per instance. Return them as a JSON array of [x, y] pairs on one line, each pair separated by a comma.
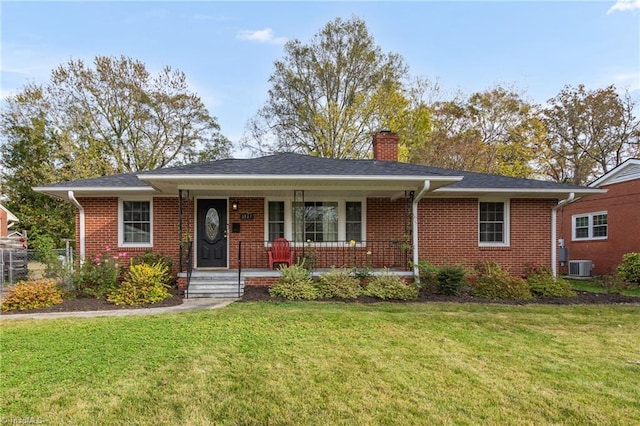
[[13, 254], [377, 213], [7, 220], [599, 229]]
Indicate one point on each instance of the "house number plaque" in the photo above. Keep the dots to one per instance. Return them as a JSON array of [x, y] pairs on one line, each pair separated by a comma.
[[246, 216]]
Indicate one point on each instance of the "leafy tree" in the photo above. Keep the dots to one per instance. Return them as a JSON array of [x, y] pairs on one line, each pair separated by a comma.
[[589, 133], [31, 156], [453, 142], [132, 120], [86, 121], [405, 109], [495, 131], [328, 96]]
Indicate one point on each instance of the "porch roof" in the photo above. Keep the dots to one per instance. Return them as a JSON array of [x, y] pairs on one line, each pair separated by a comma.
[[279, 174]]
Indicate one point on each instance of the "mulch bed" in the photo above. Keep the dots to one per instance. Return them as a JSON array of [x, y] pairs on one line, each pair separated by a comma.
[[583, 297], [252, 294], [81, 304]]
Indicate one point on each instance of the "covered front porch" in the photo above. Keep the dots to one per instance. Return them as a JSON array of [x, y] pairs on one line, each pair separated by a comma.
[[254, 266], [230, 283]]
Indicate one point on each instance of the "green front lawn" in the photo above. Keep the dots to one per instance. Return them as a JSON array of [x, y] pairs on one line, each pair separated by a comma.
[[328, 363]]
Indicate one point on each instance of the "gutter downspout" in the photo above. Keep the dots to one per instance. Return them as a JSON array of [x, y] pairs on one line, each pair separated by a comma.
[[72, 198], [414, 228], [554, 231]]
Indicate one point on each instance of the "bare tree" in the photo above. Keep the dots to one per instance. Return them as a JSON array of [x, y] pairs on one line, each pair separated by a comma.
[[325, 97]]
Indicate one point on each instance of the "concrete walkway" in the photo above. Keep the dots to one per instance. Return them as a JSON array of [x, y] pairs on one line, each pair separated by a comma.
[[187, 305]]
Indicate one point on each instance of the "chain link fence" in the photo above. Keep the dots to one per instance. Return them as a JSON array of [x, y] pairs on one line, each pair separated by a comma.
[[19, 264]]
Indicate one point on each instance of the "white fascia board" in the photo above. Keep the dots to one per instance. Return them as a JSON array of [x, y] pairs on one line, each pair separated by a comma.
[[93, 191], [90, 188], [585, 191]]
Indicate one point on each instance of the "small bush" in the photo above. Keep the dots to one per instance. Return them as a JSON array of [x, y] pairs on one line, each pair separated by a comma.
[[338, 283], [428, 276], [495, 283], [35, 294], [294, 284], [450, 280], [143, 284], [546, 285], [364, 273], [612, 283], [99, 274], [387, 286], [151, 258], [535, 269], [629, 269]]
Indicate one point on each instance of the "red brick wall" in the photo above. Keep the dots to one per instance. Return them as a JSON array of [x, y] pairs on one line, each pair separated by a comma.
[[260, 281], [622, 204], [449, 234], [101, 227], [448, 230], [250, 230]]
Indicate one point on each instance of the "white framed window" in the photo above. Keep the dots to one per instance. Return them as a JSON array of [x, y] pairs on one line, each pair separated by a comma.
[[316, 221], [493, 223], [135, 222], [275, 220], [589, 226]]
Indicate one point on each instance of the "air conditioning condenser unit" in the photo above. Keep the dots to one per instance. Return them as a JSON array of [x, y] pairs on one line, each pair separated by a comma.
[[580, 268]]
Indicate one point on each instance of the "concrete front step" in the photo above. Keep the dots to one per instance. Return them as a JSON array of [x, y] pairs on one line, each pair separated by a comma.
[[215, 289]]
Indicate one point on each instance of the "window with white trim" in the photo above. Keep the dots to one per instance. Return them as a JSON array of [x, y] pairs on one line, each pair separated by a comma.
[[135, 223], [353, 221], [275, 219], [590, 226], [313, 221], [493, 223]]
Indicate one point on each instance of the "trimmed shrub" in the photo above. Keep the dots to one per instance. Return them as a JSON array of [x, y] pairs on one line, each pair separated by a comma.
[[387, 286], [338, 283], [546, 285], [294, 284], [143, 284], [363, 274], [535, 269], [151, 258], [495, 283], [629, 269], [35, 294], [450, 280], [428, 276]]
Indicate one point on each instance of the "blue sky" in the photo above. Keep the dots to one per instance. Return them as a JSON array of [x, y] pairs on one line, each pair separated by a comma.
[[227, 49]]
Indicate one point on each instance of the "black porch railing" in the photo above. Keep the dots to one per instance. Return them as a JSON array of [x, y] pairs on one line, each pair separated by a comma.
[[375, 254], [186, 262]]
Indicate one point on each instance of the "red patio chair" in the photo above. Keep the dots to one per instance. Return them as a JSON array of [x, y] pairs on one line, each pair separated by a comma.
[[280, 252]]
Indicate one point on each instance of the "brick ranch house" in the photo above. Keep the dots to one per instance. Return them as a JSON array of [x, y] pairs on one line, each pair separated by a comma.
[[599, 229], [377, 213]]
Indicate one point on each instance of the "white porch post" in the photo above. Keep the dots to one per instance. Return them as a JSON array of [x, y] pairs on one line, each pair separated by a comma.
[[414, 229]]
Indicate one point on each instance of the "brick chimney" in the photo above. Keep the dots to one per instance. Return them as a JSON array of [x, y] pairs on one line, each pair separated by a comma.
[[385, 146]]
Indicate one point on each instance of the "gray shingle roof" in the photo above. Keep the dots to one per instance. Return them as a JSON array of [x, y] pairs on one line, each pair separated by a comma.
[[295, 164], [127, 180], [303, 165]]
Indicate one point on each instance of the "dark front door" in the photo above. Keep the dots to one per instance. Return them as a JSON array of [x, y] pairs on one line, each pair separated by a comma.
[[212, 234]]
